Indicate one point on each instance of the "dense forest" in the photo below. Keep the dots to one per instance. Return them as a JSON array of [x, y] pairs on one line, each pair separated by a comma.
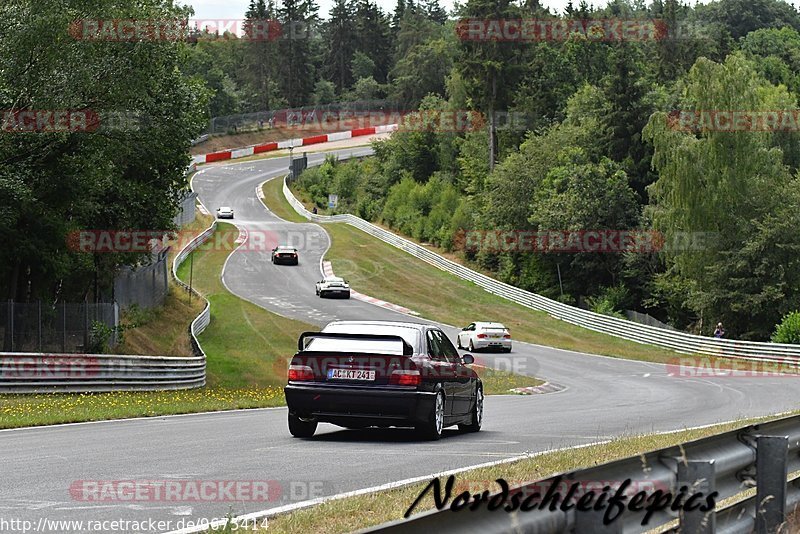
[[602, 150], [600, 142]]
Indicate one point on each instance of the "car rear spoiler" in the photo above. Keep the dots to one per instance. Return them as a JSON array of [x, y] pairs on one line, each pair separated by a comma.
[[408, 350]]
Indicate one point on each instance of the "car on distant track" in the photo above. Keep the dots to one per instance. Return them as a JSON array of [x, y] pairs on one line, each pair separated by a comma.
[[333, 286], [358, 374], [225, 212], [484, 335], [285, 254]]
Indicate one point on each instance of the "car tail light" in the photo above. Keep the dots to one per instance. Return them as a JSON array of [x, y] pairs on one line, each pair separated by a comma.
[[300, 372], [506, 336], [481, 336], [402, 377]]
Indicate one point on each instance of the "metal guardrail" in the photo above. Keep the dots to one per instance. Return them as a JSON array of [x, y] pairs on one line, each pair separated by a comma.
[[201, 321], [22, 372], [675, 340], [763, 457]]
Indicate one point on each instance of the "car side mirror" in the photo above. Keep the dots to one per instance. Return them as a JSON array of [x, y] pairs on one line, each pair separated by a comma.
[[468, 359]]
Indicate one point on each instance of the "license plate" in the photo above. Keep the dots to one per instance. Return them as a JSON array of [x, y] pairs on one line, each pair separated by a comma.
[[350, 374]]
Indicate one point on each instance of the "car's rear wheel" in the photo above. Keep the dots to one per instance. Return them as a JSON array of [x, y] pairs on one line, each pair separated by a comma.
[[300, 428], [476, 414], [432, 429]]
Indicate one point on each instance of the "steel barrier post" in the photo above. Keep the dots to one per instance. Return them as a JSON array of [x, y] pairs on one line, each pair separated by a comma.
[[772, 454], [698, 475]]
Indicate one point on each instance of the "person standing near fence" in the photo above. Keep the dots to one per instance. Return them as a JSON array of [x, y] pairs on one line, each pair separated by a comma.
[[719, 332]]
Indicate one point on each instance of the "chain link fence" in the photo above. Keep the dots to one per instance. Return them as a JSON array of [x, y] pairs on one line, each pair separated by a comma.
[[61, 327], [295, 117], [144, 285], [187, 211]]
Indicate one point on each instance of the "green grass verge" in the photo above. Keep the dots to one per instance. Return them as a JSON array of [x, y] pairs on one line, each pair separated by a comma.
[[274, 199], [247, 348], [385, 272], [245, 344], [354, 513]]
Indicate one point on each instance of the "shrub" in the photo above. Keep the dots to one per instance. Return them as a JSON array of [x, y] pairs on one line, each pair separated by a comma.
[[788, 331]]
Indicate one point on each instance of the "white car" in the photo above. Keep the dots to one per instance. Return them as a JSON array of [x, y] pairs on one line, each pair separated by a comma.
[[332, 286], [225, 213], [485, 335]]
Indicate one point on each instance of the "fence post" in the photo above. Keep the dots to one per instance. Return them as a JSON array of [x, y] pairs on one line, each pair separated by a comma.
[[40, 325], [63, 326], [698, 475], [8, 342], [85, 326], [772, 454]]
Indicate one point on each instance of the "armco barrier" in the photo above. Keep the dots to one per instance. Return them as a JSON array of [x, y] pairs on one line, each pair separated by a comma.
[[675, 340], [760, 456], [201, 321], [42, 373]]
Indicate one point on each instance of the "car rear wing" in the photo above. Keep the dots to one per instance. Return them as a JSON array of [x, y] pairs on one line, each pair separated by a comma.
[[408, 350]]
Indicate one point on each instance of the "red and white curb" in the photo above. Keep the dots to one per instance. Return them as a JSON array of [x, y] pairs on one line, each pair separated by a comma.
[[327, 270], [289, 143], [547, 387]]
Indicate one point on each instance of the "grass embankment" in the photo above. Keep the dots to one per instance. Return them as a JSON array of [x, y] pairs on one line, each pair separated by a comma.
[[164, 330], [354, 513], [388, 273], [247, 349]]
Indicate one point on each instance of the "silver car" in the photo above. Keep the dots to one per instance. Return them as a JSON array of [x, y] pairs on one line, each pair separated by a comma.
[[225, 212], [333, 286], [485, 335]]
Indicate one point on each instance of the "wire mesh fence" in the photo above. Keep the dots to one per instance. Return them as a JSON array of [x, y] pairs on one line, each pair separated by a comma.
[[144, 285], [298, 117], [60, 327]]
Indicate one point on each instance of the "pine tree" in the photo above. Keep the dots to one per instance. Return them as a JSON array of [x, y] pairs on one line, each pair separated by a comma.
[[295, 64], [260, 53], [342, 41]]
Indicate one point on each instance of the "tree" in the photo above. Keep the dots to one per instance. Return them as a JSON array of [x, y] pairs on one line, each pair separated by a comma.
[[489, 68], [296, 67], [362, 66], [261, 55], [128, 175], [374, 37], [625, 89], [342, 41], [734, 188], [324, 92]]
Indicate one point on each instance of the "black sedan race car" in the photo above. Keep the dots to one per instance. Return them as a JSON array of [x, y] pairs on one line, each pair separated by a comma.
[[285, 254], [358, 374]]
